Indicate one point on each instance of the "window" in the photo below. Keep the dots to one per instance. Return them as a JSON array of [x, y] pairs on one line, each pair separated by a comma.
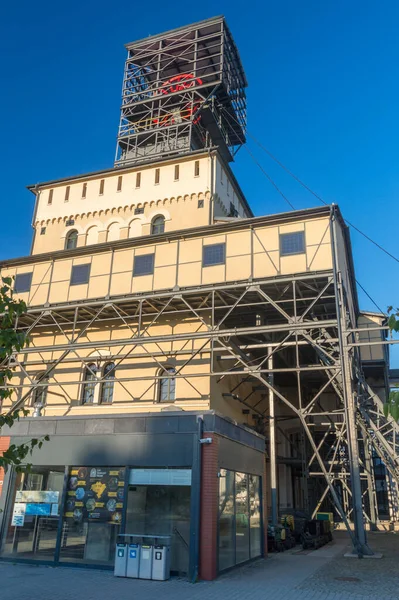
[[89, 385], [107, 387], [177, 172], [158, 225], [84, 190], [119, 184], [67, 190], [80, 274], [143, 265], [157, 176], [196, 168], [200, 204], [22, 282], [215, 254], [167, 385], [42, 230], [39, 395], [101, 187], [50, 197], [138, 180], [71, 240], [139, 210], [70, 222], [292, 243]]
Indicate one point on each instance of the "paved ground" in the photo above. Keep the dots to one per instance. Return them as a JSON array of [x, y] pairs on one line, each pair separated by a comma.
[[287, 576]]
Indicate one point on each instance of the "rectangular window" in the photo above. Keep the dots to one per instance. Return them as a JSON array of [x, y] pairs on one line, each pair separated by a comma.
[[101, 187], [84, 190], [138, 180], [139, 210], [196, 168], [22, 282], [292, 243], [50, 197], [177, 169], [67, 190], [214, 254], [80, 274], [42, 231], [157, 176], [143, 265], [119, 186], [200, 204], [70, 222]]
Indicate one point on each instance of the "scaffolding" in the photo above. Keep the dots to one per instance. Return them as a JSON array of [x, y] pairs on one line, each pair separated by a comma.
[[293, 339], [182, 90]]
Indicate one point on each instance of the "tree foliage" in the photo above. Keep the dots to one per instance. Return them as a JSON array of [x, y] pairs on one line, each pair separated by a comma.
[[392, 406], [11, 341]]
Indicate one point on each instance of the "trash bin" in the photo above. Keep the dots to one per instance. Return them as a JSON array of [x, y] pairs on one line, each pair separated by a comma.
[[145, 562], [133, 560], [161, 562], [120, 559]]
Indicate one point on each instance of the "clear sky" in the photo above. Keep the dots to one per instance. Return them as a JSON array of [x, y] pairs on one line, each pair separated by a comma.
[[322, 96]]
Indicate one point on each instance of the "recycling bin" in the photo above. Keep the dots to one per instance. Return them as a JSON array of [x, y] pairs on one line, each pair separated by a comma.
[[133, 560], [160, 562], [120, 559], [145, 561]]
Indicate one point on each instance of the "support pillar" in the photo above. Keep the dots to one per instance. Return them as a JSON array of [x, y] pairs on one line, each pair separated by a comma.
[[272, 443], [209, 509], [370, 483]]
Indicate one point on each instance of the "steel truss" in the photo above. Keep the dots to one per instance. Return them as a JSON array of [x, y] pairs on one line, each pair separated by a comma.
[[283, 347], [182, 90]]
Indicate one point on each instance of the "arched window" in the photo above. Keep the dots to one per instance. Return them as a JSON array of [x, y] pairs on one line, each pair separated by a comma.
[[167, 385], [107, 387], [158, 224], [89, 384], [39, 395], [71, 240]]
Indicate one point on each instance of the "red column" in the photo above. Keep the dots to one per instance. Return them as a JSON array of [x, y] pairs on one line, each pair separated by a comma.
[[209, 508], [4, 445]]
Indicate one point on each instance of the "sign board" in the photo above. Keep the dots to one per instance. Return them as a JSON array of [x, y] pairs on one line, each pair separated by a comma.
[[18, 515], [160, 477], [46, 496]]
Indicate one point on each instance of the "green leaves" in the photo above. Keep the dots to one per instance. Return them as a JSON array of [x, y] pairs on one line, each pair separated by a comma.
[[12, 341], [392, 406], [393, 321]]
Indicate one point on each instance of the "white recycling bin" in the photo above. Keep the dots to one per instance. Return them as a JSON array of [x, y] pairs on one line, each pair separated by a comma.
[[145, 568], [133, 560], [160, 562], [120, 559]]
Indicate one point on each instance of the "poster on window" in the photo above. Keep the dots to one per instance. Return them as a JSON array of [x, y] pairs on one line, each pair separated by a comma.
[[18, 514], [95, 494]]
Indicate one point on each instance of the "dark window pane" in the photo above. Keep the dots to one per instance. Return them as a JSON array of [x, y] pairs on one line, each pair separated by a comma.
[[242, 518], [196, 168], [158, 225], [292, 243], [89, 385], [255, 515], [157, 176], [176, 172], [167, 387], [119, 186], [84, 190], [143, 265], [139, 210], [42, 231], [138, 180], [71, 240], [200, 204], [226, 520], [80, 274], [101, 187], [50, 197], [22, 282], [213, 255], [67, 190], [107, 388]]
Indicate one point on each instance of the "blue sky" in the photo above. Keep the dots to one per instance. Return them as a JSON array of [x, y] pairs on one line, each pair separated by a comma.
[[323, 97]]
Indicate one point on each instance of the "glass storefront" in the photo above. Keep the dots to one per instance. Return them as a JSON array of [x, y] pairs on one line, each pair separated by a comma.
[[74, 515], [240, 520], [33, 516]]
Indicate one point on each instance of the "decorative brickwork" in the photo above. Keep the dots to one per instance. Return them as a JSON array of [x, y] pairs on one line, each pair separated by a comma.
[[209, 508]]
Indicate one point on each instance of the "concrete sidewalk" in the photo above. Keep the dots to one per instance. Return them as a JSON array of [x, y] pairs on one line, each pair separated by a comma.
[[292, 575]]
